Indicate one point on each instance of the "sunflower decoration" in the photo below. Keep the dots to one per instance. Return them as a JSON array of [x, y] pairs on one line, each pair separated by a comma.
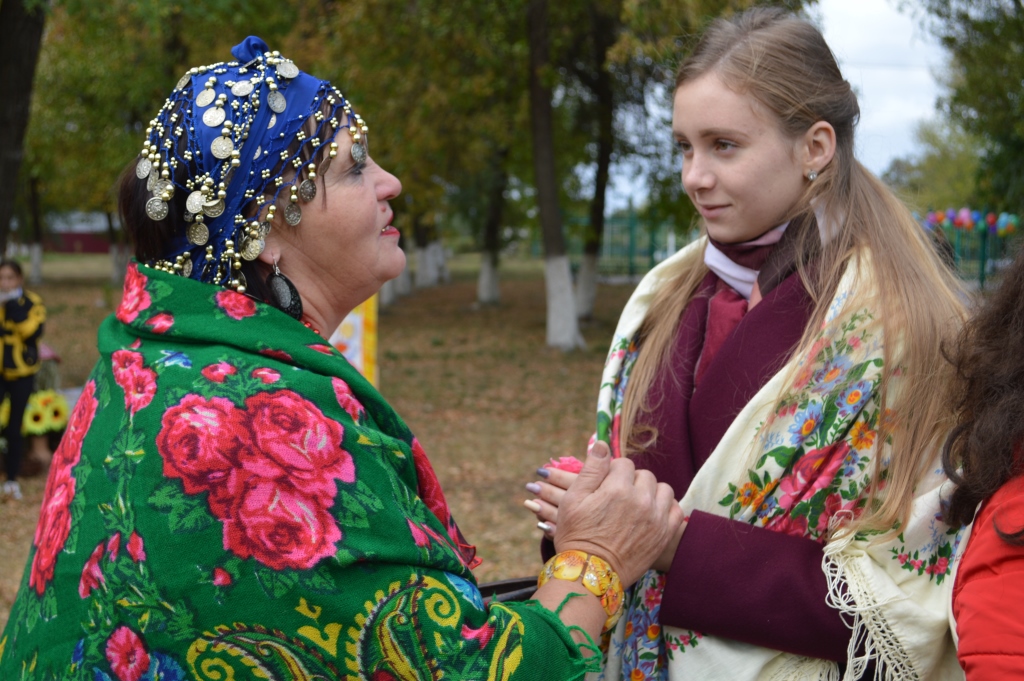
[[46, 412]]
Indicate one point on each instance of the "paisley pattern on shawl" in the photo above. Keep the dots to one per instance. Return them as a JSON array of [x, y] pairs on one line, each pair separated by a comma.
[[232, 500], [808, 445]]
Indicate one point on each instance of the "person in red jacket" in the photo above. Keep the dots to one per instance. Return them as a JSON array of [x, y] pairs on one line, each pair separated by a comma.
[[983, 456]]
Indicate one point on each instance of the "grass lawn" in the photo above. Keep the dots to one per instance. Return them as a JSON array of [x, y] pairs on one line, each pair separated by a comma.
[[484, 395]]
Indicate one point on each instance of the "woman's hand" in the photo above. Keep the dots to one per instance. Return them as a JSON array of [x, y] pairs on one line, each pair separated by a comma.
[[617, 512]]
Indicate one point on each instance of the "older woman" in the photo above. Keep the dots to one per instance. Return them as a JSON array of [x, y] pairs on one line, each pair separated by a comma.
[[232, 499]]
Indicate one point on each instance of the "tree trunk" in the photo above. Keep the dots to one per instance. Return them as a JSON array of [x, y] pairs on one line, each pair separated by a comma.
[[487, 291], [387, 294], [119, 255], [35, 272], [562, 327], [21, 37], [603, 36]]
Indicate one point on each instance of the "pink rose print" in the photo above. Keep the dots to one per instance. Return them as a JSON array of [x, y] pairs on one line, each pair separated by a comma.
[[294, 440], [322, 348], [218, 372], [92, 576], [432, 495], [482, 635], [235, 305], [135, 298], [221, 577], [346, 399], [786, 524], [569, 464], [135, 548], [814, 471], [281, 527], [280, 355], [160, 323], [125, 361], [114, 546], [55, 516], [419, 537], [266, 375], [137, 382], [200, 439], [127, 656]]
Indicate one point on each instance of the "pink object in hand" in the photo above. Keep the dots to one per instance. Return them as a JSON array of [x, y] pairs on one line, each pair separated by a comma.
[[566, 463]]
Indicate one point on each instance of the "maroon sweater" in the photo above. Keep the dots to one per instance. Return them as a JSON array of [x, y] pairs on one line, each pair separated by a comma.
[[728, 578]]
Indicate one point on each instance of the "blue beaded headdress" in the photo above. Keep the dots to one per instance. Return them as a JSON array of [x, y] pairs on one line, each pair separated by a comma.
[[231, 137]]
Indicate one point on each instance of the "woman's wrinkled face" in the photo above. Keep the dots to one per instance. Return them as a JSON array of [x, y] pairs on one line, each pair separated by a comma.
[[739, 169], [9, 279], [346, 236]]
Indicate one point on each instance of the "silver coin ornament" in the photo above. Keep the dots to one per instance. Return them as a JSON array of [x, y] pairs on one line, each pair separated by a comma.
[[325, 165], [264, 229], [198, 233], [277, 102], [222, 147], [156, 209], [287, 69], [152, 180], [273, 121], [206, 97], [242, 88], [185, 80], [252, 248], [241, 280], [186, 268], [164, 186], [189, 217], [292, 214], [358, 152], [307, 191], [213, 209], [143, 168], [194, 202], [214, 117]]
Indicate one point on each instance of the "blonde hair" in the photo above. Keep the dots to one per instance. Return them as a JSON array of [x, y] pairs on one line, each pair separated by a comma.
[[784, 63]]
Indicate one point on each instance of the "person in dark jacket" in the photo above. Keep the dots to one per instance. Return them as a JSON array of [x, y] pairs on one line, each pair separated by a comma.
[[21, 322]]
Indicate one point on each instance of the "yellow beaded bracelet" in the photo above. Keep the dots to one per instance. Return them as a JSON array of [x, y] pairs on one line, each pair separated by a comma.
[[598, 578]]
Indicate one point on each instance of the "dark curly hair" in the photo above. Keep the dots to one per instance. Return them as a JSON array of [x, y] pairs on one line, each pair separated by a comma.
[[981, 453]]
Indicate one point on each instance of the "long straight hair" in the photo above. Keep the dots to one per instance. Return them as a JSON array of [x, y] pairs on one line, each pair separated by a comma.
[[784, 63]]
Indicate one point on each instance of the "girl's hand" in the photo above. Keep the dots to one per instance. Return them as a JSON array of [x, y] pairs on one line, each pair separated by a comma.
[[549, 492]]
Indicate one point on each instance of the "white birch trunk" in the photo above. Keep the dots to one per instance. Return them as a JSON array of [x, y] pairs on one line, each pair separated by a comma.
[[426, 267], [387, 294], [586, 287], [487, 291], [441, 262], [35, 272], [563, 326]]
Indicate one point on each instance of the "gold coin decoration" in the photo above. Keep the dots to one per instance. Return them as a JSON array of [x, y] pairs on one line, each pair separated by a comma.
[[198, 233], [206, 97], [277, 102], [307, 191], [214, 117], [213, 209], [292, 214], [252, 248], [143, 168], [287, 69], [194, 202], [358, 152], [222, 147], [156, 209], [242, 88]]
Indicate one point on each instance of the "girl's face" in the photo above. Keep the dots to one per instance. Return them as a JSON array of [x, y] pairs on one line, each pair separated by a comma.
[[739, 169], [9, 279]]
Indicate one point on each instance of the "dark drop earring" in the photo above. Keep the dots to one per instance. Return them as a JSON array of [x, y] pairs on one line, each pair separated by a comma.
[[283, 294]]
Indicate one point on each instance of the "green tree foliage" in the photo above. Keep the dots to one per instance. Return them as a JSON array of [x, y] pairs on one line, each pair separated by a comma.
[[943, 174], [985, 39]]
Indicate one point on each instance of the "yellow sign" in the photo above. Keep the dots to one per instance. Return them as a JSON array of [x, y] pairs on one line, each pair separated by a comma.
[[356, 338]]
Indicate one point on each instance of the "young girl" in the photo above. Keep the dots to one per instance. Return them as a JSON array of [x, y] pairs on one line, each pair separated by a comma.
[[983, 456], [784, 375], [22, 315]]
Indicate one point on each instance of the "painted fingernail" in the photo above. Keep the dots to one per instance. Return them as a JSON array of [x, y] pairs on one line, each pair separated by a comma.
[[533, 487], [543, 472], [544, 527], [532, 505]]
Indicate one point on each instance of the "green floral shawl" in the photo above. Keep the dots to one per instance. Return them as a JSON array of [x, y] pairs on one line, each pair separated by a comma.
[[232, 500]]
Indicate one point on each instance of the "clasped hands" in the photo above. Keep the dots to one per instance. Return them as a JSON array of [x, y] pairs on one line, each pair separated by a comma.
[[612, 510]]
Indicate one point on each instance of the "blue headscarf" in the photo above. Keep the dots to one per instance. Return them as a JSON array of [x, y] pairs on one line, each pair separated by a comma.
[[229, 135]]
